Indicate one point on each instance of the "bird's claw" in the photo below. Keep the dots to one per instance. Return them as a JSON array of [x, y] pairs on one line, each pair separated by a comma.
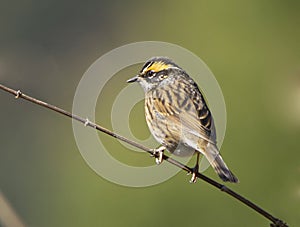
[[158, 154], [194, 178], [194, 174]]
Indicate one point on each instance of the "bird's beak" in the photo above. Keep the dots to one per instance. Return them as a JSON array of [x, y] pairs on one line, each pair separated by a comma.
[[133, 79]]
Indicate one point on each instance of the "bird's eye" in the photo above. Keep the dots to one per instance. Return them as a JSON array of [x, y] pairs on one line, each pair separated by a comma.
[[150, 73]]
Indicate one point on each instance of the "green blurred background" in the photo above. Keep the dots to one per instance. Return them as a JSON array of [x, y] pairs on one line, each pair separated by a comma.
[[252, 47]]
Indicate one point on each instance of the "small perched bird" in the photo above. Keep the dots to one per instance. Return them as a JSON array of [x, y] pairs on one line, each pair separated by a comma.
[[177, 115]]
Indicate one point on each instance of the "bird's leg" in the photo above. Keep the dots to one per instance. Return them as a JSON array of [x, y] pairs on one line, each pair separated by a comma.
[[158, 154], [195, 169]]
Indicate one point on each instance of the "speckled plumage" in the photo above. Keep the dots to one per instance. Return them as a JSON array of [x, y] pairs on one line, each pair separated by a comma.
[[177, 114]]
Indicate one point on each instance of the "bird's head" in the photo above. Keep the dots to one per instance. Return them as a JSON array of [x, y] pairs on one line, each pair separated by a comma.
[[154, 71]]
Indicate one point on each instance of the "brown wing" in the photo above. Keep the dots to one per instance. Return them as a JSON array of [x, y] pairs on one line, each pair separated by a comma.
[[181, 107]]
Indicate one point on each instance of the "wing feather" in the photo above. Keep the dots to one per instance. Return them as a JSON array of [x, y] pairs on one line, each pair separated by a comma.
[[184, 112]]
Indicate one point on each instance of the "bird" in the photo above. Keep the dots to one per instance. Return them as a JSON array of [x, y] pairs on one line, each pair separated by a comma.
[[178, 117]]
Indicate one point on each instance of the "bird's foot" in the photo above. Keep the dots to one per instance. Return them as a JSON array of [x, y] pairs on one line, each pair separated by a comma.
[[158, 153], [194, 174]]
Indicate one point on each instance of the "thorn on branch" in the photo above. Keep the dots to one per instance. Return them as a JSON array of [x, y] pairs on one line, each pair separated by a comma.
[[18, 94], [87, 122]]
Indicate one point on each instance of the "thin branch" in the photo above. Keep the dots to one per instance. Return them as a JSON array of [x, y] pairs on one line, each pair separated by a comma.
[[275, 221]]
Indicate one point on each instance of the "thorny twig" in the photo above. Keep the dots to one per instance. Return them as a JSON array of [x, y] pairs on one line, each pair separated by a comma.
[[275, 221]]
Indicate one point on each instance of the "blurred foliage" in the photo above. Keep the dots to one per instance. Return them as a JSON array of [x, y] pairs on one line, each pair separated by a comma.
[[251, 46]]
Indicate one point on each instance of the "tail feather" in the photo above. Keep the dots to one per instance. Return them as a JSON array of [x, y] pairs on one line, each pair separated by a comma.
[[216, 161]]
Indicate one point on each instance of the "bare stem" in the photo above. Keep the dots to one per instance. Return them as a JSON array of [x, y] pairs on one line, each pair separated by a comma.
[[275, 221]]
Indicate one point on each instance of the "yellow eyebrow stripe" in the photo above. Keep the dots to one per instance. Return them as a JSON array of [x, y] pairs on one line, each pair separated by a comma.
[[157, 66]]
